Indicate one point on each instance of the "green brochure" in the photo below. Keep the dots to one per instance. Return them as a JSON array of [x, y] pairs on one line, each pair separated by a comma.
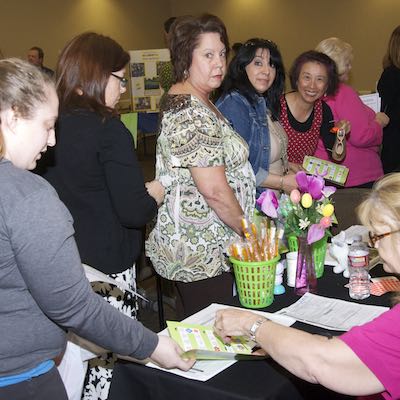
[[201, 343], [328, 170]]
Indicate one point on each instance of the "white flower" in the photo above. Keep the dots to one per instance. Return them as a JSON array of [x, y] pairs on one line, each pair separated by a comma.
[[318, 208], [304, 223]]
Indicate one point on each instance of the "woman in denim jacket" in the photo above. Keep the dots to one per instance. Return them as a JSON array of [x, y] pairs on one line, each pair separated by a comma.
[[250, 101]]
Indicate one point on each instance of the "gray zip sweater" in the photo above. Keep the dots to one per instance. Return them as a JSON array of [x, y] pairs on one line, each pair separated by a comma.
[[43, 289]]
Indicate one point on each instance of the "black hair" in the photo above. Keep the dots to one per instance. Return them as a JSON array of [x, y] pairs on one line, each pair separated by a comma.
[[168, 23], [320, 58], [237, 79]]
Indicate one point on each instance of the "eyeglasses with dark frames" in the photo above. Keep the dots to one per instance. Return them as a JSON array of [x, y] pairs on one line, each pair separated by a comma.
[[375, 238], [122, 81]]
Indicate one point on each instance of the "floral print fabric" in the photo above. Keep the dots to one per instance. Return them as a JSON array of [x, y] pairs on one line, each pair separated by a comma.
[[188, 242]]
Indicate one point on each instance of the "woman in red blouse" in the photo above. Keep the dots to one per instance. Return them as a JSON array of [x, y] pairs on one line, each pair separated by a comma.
[[304, 115]]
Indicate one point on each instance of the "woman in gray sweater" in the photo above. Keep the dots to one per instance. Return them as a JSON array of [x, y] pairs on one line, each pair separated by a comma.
[[43, 289]]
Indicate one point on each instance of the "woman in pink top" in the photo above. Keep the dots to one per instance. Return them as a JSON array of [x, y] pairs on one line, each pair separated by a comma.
[[365, 137], [366, 359]]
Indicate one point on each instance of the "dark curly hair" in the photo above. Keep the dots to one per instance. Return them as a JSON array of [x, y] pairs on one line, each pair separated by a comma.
[[184, 37], [320, 58], [237, 79]]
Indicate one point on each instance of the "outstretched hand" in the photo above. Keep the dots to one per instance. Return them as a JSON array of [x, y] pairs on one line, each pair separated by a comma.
[[168, 355]]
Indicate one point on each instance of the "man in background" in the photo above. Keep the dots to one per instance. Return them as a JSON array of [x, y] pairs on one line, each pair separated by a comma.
[[35, 57]]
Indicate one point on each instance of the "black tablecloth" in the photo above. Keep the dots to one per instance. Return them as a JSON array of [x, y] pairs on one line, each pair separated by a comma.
[[245, 380]]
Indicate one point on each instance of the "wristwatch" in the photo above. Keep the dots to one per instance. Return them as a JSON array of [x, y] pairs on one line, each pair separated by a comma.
[[255, 326]]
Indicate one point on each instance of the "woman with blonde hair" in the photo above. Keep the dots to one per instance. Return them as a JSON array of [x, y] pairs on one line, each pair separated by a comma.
[[365, 135], [389, 90], [364, 360], [43, 288]]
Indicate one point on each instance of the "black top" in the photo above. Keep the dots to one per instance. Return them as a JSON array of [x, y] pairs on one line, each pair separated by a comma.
[[327, 124], [389, 91], [95, 171]]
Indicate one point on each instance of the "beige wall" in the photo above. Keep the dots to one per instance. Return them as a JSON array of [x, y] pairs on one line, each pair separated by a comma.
[[51, 23], [296, 25]]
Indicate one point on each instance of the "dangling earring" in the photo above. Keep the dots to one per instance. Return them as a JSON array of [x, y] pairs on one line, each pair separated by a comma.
[[185, 74]]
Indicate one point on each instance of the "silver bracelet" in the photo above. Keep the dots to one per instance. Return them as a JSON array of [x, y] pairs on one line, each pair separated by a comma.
[[254, 328]]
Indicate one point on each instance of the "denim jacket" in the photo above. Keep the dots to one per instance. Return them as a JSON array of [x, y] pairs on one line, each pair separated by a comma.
[[252, 124]]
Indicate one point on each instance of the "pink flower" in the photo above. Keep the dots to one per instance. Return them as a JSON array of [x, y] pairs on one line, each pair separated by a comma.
[[295, 196], [325, 222], [268, 203]]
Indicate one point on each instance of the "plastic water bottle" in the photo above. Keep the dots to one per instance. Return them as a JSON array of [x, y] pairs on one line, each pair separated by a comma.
[[358, 269]]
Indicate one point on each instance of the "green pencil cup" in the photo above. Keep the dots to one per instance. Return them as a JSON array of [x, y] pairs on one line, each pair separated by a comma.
[[255, 282]]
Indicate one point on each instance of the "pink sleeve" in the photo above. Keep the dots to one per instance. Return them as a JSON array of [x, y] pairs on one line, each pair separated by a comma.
[[377, 344], [346, 104]]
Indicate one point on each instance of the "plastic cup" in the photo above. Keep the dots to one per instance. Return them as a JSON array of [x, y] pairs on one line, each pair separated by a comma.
[[291, 266]]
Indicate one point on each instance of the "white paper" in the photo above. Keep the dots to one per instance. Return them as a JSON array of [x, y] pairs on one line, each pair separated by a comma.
[[372, 101], [206, 369], [331, 313]]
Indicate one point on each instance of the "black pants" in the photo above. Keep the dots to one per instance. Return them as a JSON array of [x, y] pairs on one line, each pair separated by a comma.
[[194, 296], [48, 386]]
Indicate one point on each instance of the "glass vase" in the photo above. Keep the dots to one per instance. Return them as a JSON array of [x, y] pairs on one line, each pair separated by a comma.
[[306, 280]]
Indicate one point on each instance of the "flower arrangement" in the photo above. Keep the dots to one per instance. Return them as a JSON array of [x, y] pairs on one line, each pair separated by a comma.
[[308, 211]]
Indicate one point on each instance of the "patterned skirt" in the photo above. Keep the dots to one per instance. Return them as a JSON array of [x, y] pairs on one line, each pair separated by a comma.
[[99, 374]]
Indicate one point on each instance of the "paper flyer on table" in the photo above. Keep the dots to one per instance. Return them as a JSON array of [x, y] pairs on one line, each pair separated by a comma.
[[206, 369], [200, 342], [332, 314], [333, 172]]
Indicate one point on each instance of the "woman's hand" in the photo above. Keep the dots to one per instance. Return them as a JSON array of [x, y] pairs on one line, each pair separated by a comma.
[[231, 322], [168, 355], [156, 191], [345, 125], [289, 183], [294, 168], [382, 119]]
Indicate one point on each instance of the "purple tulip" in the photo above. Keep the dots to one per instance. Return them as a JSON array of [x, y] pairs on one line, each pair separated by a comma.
[[268, 203], [315, 233], [310, 184]]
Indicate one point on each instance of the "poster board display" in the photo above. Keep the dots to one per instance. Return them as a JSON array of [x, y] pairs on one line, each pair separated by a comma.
[[145, 67]]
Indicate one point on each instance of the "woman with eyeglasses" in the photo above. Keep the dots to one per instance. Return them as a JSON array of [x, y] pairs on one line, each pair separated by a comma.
[[96, 173], [250, 101], [364, 360]]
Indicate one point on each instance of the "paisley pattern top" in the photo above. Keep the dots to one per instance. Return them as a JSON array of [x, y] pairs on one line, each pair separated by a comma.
[[189, 241]]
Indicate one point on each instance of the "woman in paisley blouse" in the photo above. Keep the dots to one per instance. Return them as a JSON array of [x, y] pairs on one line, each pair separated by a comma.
[[203, 165], [304, 115]]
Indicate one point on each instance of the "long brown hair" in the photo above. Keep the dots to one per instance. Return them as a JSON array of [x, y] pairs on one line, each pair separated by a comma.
[[83, 70], [392, 56]]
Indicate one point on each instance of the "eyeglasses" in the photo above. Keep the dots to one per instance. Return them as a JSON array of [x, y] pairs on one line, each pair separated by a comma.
[[375, 238], [122, 81]]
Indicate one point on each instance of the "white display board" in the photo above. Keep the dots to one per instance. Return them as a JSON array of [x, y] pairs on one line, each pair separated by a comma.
[[145, 66]]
